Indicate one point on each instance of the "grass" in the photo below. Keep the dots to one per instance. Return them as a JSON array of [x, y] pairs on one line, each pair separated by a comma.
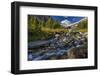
[[46, 33], [83, 30], [49, 30]]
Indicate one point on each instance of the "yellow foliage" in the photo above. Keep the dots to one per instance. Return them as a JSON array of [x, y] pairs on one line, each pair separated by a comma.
[[83, 30], [49, 30]]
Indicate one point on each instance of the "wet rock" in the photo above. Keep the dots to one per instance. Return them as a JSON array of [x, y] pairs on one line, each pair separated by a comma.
[[57, 48], [78, 52]]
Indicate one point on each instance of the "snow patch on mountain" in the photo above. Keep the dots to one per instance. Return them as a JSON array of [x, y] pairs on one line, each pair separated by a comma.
[[65, 23]]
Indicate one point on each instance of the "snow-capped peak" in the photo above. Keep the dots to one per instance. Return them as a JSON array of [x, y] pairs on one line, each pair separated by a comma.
[[65, 23]]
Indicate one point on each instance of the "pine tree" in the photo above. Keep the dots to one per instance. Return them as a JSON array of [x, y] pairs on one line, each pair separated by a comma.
[[49, 23], [56, 25], [42, 23]]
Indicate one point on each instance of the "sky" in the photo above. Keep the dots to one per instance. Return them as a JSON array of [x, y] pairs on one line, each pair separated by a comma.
[[72, 19]]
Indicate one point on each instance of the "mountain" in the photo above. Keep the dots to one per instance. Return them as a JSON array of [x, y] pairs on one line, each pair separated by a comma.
[[58, 18], [72, 19], [41, 17], [67, 23]]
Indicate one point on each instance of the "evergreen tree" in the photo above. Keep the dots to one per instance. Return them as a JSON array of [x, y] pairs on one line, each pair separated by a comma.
[[83, 24], [42, 23], [56, 25], [49, 23]]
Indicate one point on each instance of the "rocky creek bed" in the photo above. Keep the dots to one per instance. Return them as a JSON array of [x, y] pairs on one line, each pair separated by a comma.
[[70, 45]]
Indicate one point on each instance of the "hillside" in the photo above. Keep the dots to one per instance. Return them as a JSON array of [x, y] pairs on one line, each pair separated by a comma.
[[44, 27]]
